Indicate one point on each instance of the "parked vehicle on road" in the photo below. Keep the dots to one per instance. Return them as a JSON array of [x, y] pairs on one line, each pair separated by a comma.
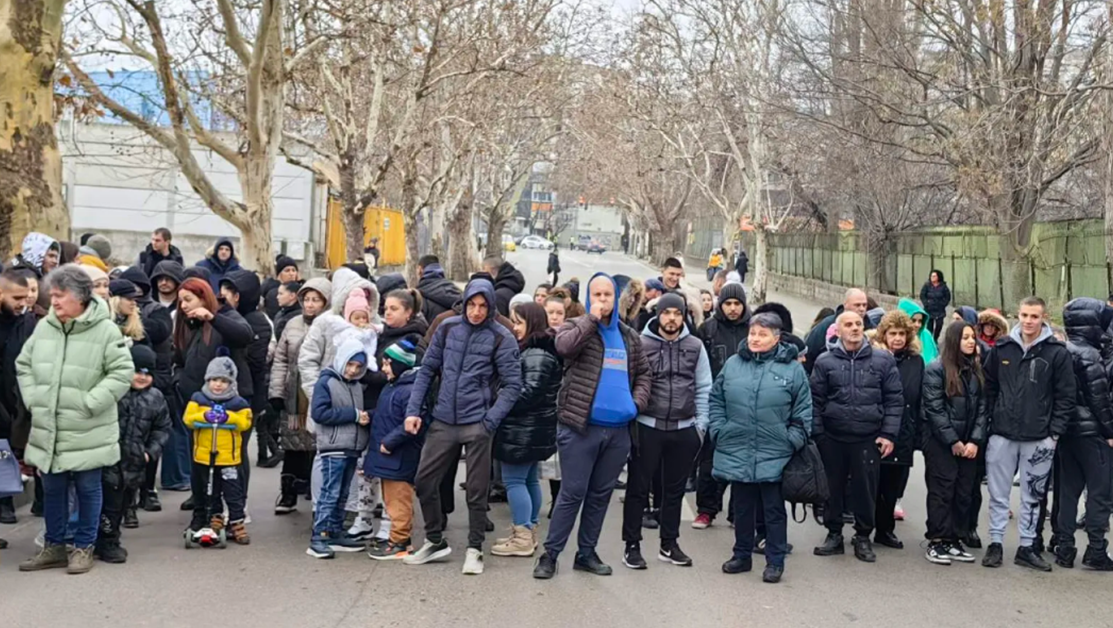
[[535, 242], [596, 247]]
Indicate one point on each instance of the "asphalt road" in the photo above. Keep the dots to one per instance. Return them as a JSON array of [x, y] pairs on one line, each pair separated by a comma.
[[273, 583]]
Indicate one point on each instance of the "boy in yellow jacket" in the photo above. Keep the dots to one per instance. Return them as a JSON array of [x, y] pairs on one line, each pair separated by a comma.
[[218, 416]]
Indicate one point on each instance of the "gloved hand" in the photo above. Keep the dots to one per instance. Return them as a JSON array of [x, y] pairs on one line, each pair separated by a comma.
[[217, 415]]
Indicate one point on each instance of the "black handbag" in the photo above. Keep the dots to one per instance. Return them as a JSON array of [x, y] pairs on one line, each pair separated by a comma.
[[804, 480]]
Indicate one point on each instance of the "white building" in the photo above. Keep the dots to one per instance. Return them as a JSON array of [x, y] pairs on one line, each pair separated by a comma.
[[599, 222], [120, 183]]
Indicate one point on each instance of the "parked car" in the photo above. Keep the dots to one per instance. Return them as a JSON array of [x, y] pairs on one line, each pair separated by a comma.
[[508, 243], [583, 242], [596, 247], [535, 242]]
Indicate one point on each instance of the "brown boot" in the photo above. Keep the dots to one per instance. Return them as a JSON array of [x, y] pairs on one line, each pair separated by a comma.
[[49, 557], [216, 523], [80, 560], [237, 531], [521, 544]]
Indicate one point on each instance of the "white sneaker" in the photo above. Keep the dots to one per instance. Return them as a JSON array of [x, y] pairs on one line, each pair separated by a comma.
[[473, 562], [428, 553], [361, 529]]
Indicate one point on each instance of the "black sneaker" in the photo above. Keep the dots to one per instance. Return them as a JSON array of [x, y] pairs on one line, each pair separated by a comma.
[[1097, 559], [863, 549], [591, 564], [130, 519], [649, 520], [888, 539], [674, 555], [1065, 555], [632, 558], [546, 566], [187, 504], [993, 556], [153, 503], [972, 540], [937, 553], [111, 553], [1030, 558], [958, 553], [772, 574], [738, 565], [832, 545], [7, 511]]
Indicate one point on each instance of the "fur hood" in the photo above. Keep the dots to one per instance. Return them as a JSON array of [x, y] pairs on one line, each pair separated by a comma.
[[995, 317], [632, 299]]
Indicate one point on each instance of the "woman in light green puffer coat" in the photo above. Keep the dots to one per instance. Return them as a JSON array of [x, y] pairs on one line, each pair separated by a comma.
[[72, 372]]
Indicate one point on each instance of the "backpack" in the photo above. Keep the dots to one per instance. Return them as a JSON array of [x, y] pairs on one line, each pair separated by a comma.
[[804, 480]]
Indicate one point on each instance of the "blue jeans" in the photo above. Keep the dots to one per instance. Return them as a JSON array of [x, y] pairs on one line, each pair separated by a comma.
[[523, 491], [336, 481], [176, 457], [56, 508]]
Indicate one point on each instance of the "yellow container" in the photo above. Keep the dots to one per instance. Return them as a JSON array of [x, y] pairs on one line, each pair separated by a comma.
[[383, 223]]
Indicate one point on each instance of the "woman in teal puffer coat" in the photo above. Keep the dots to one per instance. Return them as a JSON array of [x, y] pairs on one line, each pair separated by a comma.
[[761, 413], [72, 371]]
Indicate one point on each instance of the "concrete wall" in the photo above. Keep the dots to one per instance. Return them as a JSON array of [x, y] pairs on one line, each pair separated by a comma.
[[118, 182], [820, 291]]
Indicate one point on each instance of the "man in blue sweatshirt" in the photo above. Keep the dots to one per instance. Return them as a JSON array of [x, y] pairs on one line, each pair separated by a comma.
[[606, 384], [669, 430]]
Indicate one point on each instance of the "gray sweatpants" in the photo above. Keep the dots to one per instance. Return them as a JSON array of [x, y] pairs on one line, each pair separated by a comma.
[[1003, 458]]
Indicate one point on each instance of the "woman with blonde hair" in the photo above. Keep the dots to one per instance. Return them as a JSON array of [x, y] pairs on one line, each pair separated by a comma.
[[125, 313], [897, 335]]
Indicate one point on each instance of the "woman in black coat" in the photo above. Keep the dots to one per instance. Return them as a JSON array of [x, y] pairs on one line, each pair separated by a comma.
[[896, 335], [203, 328], [935, 297], [528, 434], [956, 425]]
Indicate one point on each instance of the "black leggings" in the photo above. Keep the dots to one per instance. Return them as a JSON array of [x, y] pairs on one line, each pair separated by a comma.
[[936, 325]]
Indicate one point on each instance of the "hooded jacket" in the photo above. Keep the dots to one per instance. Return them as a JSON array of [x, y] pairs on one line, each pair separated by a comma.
[[579, 343], [761, 413], [228, 441], [246, 284], [1093, 415], [681, 380], [528, 433], [631, 302], [390, 281], [172, 270], [33, 251], [144, 429], [388, 430], [992, 317], [935, 298], [218, 269], [413, 331], [928, 349], [285, 382], [149, 259], [15, 329], [856, 396], [438, 295], [951, 420], [1031, 392], [508, 282], [480, 375], [337, 402], [722, 336], [71, 376], [158, 328]]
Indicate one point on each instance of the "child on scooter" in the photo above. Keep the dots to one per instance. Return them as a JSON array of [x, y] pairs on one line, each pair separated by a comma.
[[218, 404]]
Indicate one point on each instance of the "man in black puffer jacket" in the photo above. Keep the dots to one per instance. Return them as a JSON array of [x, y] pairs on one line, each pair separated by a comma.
[[241, 290], [858, 404], [509, 281], [1084, 451], [438, 295]]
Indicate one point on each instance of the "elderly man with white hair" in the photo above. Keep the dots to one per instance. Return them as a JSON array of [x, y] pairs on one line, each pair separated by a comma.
[[857, 402]]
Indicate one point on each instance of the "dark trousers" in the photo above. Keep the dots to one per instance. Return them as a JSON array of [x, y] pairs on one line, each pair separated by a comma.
[[890, 485], [951, 484], [228, 488], [590, 465], [860, 462], [709, 491], [245, 463], [177, 459], [976, 495], [672, 450], [1052, 514], [442, 448], [936, 325], [765, 502], [1084, 462], [299, 466], [117, 498], [150, 474], [448, 487]]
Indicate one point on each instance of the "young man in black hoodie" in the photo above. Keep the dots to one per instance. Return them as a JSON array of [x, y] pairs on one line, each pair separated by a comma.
[[1030, 398], [438, 294], [241, 290], [721, 334], [509, 281]]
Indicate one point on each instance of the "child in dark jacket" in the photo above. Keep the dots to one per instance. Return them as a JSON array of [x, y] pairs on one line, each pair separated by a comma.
[[342, 435], [144, 428], [394, 453], [218, 416]]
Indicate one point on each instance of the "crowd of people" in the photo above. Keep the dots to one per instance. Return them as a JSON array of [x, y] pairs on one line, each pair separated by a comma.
[[368, 392]]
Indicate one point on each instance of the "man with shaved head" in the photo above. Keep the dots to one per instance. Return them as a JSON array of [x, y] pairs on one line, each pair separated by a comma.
[[855, 301], [857, 403]]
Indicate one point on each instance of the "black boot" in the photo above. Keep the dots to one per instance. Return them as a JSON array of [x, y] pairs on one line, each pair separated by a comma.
[[1030, 558], [187, 504], [110, 552], [1065, 553], [1097, 558], [152, 503], [7, 510], [130, 519], [863, 549], [288, 497], [832, 545]]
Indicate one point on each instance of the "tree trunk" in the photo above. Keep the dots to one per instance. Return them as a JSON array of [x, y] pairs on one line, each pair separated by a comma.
[[496, 222], [664, 244], [30, 163], [462, 249], [352, 215], [730, 230], [258, 247], [760, 261], [409, 221]]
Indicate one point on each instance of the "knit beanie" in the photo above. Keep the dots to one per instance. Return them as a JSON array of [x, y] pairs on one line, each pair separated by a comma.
[[655, 284], [94, 273], [356, 302], [283, 262], [672, 300], [402, 356], [123, 288], [197, 272], [144, 359], [221, 368], [139, 277], [101, 245]]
